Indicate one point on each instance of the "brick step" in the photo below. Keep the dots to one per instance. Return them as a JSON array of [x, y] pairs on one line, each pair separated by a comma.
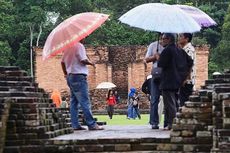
[[32, 105], [21, 88], [34, 123], [198, 116], [221, 76], [53, 134], [70, 149], [39, 130], [21, 136], [34, 116], [43, 99], [20, 94], [33, 110], [16, 78], [17, 83], [16, 73], [198, 104], [8, 68], [216, 81]]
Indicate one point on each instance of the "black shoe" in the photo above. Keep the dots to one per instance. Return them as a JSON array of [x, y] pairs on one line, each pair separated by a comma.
[[80, 128], [96, 127], [155, 127]]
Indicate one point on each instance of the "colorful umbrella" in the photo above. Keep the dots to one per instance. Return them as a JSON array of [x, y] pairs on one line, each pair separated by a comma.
[[161, 18], [199, 16], [72, 30]]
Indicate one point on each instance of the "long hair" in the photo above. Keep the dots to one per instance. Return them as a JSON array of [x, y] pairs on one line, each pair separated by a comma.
[[109, 93]]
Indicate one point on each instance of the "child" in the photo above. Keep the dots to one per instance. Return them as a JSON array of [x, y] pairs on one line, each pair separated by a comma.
[[64, 103], [135, 100]]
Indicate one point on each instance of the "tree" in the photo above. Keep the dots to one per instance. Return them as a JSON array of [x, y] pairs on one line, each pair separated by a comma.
[[221, 55]]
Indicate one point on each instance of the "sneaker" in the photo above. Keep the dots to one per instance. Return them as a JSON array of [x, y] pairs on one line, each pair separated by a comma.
[[96, 127], [155, 127], [80, 128]]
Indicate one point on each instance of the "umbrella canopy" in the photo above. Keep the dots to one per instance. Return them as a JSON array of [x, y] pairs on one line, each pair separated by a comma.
[[105, 85], [161, 18], [72, 30], [199, 16]]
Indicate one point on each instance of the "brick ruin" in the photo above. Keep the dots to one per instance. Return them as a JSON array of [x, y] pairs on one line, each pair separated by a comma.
[[29, 121], [122, 65], [27, 114]]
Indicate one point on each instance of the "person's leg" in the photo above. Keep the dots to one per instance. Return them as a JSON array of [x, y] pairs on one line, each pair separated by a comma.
[[74, 111], [155, 96], [112, 111], [170, 106], [73, 107], [160, 108], [129, 112], [134, 112], [108, 110], [137, 112], [80, 90]]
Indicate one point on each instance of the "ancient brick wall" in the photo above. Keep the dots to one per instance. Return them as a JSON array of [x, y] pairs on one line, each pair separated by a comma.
[[121, 65]]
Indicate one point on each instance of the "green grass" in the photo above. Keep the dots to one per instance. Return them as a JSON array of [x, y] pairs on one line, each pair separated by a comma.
[[122, 120]]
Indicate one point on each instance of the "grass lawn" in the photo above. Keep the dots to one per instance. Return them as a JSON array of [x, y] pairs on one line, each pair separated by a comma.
[[122, 120]]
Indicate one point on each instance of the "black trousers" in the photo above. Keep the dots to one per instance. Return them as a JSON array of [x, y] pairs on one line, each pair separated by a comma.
[[170, 104], [184, 93]]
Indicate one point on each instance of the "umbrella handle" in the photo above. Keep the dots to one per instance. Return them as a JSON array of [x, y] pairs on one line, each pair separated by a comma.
[[158, 38]]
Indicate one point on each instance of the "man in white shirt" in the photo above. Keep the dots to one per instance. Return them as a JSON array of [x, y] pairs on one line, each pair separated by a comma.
[[74, 65], [154, 50], [188, 87]]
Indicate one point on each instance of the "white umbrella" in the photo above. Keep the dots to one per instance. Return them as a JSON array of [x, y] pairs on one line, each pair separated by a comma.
[[105, 85], [161, 18]]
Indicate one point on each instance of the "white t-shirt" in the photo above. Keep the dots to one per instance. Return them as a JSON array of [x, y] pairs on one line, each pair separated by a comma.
[[152, 49], [72, 58]]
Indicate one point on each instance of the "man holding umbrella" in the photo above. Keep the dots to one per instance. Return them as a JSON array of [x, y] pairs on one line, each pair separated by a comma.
[[154, 49], [74, 65]]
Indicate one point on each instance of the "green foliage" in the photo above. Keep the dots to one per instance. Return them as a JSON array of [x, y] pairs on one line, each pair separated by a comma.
[[114, 33], [5, 53], [221, 54], [17, 17], [23, 53]]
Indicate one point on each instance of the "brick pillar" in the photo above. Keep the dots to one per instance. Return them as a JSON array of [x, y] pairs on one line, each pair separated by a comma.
[[109, 73], [201, 65], [130, 83]]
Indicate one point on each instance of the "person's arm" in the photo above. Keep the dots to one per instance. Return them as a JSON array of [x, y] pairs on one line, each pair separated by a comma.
[[64, 69], [152, 58], [87, 62]]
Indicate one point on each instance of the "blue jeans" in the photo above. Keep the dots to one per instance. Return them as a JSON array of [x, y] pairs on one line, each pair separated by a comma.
[[154, 101], [79, 95], [131, 113]]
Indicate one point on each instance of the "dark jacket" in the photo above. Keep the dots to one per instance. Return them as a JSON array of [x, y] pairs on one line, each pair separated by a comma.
[[169, 61]]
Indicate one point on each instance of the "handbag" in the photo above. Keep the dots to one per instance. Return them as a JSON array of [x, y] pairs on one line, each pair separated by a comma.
[[156, 73]]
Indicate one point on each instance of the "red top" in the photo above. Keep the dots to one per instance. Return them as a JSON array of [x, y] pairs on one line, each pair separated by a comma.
[[111, 100]]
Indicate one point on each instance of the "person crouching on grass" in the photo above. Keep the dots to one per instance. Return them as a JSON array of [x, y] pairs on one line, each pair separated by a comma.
[[111, 101]]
